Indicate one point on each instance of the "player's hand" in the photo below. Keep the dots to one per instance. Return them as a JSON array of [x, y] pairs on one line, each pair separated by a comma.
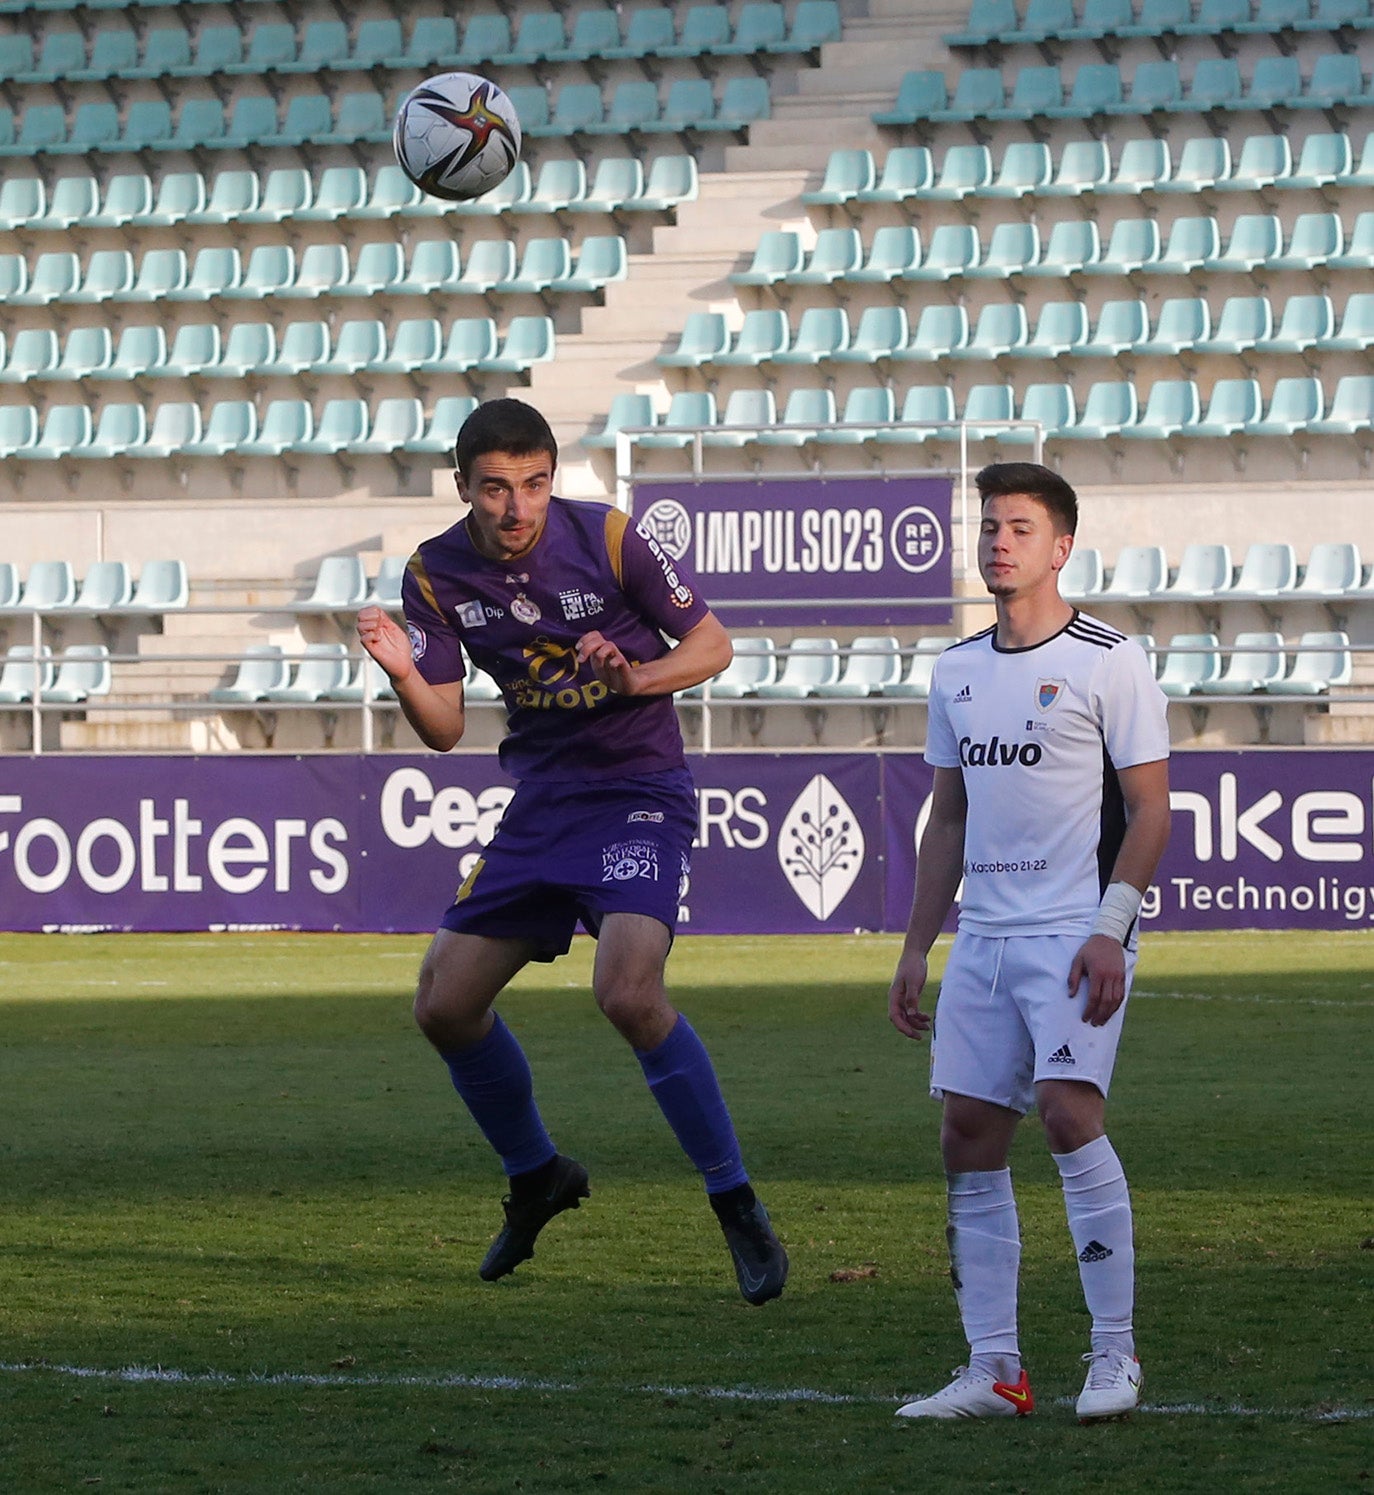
[[386, 642], [904, 996], [1100, 966], [608, 664]]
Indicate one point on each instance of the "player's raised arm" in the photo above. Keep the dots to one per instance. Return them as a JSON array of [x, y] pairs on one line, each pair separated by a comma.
[[939, 866], [435, 711], [702, 652]]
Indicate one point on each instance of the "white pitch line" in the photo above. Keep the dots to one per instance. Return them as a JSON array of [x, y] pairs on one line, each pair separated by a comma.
[[1199, 996], [162, 1375]]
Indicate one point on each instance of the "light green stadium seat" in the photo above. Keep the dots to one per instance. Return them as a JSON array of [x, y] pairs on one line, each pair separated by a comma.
[[953, 250], [1036, 92], [1172, 408], [866, 408], [807, 412], [195, 350], [964, 169], [1334, 567], [390, 192], [1359, 249], [343, 423], [73, 200], [688, 410], [978, 94], [617, 182], [261, 670], [528, 340], [1193, 242], [61, 55], [1001, 326], [822, 332], [908, 170], [361, 116], [141, 349], [1254, 661], [1011, 248], [1144, 165], [929, 409], [271, 46], [385, 590], [746, 412], [1233, 406], [872, 663], [1062, 327], [576, 107], [271, 268], [218, 49], [377, 267], [920, 94], [1316, 239], [539, 35], [1109, 408], [200, 122], [895, 248], [1275, 83], [760, 26], [814, 22], [14, 275], [486, 38], [42, 127], [1183, 322], [232, 194], [689, 104], [914, 684], [1026, 166], [443, 425], [1084, 166], [322, 670], [253, 120], [341, 191], [286, 423], [1356, 331], [397, 420], [65, 429], [1073, 244], [179, 194], [86, 353], [176, 425], [215, 271], [1268, 569], [127, 198], [1352, 408], [357, 345], [835, 253], [1097, 89], [510, 193], [435, 267], [672, 180], [1296, 401], [1083, 575], [49, 585], [1331, 15], [414, 343], [987, 407], [162, 587], [286, 191], [1272, 16], [1245, 322], [22, 673], [940, 329], [755, 663], [148, 125], [121, 429], [166, 52], [1325, 160], [1046, 20], [308, 119], [249, 347], [629, 410], [1337, 78], [808, 664], [1204, 572], [56, 274], [704, 336], [22, 201], [763, 333], [368, 680], [83, 670], [561, 183], [33, 353], [1134, 244], [1263, 161], [1155, 85], [880, 332], [1100, 18], [601, 260], [847, 173], [704, 29], [324, 46], [301, 346], [542, 262], [777, 254], [1306, 322], [531, 105], [1052, 404], [1216, 84], [1203, 163], [18, 429], [1322, 662], [648, 32], [229, 425], [593, 35]]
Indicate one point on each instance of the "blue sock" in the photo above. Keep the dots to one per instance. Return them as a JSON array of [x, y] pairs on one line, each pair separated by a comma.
[[493, 1078], [683, 1082]]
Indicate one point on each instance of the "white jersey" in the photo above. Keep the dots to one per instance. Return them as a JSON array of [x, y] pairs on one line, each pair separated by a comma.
[[1039, 734]]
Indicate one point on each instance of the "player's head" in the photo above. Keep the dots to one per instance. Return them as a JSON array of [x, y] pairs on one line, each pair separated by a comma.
[[505, 455], [509, 426], [1002, 479]]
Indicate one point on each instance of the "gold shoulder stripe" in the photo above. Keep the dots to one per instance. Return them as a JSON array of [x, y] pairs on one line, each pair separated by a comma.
[[617, 521], [416, 566]]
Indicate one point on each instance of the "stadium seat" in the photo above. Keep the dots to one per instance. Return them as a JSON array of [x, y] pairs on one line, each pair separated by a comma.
[[1037, 92], [1325, 160], [672, 180], [1331, 15], [1183, 322], [1333, 570], [106, 585], [1046, 20], [340, 585], [249, 347], [391, 192], [1083, 575], [1172, 408], [927, 414], [1193, 242], [142, 349], [342, 190], [561, 183], [50, 585], [988, 20], [1269, 569], [486, 38], [343, 423], [285, 424], [1192, 659], [907, 171], [1233, 406], [23, 673], [287, 191], [1084, 166], [321, 670], [847, 173], [34, 352], [808, 664], [1001, 327], [835, 253], [1133, 245], [1256, 238], [747, 411], [1295, 402], [822, 332], [321, 270], [987, 409], [18, 429], [704, 337], [1110, 407], [964, 169], [442, 427], [1352, 408], [435, 267], [688, 410], [1062, 327], [953, 250], [179, 194], [941, 329], [1253, 662], [1316, 239], [807, 412], [881, 331], [528, 340], [215, 271], [894, 249], [777, 254], [398, 419], [1204, 573], [1337, 78], [176, 424], [1026, 166], [914, 683], [872, 662], [359, 344], [601, 260], [755, 663], [629, 410], [22, 202], [261, 671], [1011, 248], [647, 33], [1264, 160], [1322, 662], [1215, 84], [83, 670], [127, 198], [230, 423], [1097, 90], [1305, 322], [120, 429], [66, 429], [1141, 571], [1052, 405], [1120, 326], [1072, 245], [378, 267], [385, 590], [1245, 322], [1359, 250], [415, 343], [617, 182], [1356, 330], [543, 262], [865, 410], [86, 353], [271, 268]]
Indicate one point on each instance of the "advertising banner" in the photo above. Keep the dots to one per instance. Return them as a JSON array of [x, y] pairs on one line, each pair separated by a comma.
[[786, 843], [809, 552]]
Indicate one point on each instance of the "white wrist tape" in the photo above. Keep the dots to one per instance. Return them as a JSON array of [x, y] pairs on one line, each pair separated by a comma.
[[1119, 909]]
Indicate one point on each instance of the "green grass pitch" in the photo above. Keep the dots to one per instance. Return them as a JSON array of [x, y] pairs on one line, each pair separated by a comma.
[[242, 1213]]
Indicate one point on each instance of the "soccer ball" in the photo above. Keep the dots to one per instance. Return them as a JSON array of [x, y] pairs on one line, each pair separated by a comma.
[[457, 136]]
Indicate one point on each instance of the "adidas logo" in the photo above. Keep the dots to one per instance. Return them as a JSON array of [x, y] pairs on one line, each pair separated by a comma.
[[1094, 1251], [965, 695], [1061, 1056]]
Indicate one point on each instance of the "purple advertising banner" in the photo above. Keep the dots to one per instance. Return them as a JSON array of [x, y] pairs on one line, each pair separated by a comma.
[[809, 552], [786, 843]]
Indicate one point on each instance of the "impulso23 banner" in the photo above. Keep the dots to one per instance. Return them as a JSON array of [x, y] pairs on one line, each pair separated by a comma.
[[786, 843]]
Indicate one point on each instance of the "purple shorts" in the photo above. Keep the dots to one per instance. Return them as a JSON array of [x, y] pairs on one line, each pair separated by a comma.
[[580, 850]]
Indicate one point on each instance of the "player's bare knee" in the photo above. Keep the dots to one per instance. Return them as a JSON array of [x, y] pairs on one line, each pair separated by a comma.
[[1072, 1115], [637, 1010]]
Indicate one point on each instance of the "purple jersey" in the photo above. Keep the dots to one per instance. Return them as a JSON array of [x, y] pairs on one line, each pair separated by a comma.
[[519, 620]]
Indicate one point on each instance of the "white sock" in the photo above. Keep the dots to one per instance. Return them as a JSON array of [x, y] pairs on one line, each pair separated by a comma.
[[1098, 1207], [984, 1259]]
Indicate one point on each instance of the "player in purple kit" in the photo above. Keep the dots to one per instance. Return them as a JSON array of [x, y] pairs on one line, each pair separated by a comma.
[[566, 606]]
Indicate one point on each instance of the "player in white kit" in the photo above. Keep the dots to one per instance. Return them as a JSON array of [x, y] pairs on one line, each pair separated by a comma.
[[1048, 738]]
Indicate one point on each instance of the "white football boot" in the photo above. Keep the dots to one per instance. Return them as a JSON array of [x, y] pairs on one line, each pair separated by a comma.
[[975, 1393], [1112, 1387]]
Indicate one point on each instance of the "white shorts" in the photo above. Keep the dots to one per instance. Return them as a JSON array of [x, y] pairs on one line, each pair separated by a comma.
[[1005, 1020]]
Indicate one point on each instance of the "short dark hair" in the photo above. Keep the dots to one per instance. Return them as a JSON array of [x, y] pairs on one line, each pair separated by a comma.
[[999, 479], [503, 426]]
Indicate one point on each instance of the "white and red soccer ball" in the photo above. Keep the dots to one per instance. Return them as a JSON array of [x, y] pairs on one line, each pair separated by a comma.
[[457, 136]]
